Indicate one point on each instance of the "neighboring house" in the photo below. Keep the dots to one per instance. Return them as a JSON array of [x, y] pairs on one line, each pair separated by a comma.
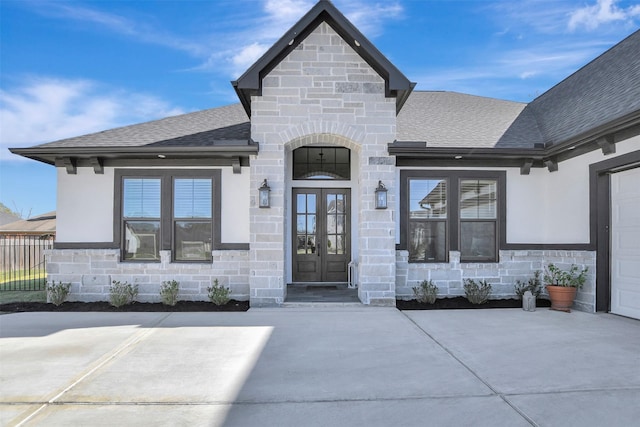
[[40, 225], [476, 187], [7, 218]]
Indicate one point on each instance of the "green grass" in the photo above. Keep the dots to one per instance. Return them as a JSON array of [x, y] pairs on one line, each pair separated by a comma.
[[22, 296], [30, 280], [6, 276], [30, 285]]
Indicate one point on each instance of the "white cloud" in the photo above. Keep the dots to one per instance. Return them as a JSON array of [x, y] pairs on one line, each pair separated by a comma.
[[140, 31], [528, 16], [370, 18], [48, 109], [499, 74], [242, 60], [603, 12]]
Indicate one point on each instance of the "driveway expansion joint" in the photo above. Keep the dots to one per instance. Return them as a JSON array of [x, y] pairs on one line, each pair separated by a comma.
[[471, 371], [102, 361]]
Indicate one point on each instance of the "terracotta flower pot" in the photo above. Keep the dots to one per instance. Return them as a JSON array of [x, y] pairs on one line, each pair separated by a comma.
[[561, 297]]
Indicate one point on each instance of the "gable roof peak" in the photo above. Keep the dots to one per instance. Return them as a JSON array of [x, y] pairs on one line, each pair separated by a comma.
[[250, 83]]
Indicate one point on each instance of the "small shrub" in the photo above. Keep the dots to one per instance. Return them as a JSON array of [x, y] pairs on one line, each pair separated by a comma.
[[477, 293], [57, 292], [533, 284], [122, 293], [426, 293], [218, 294], [169, 292], [574, 277]]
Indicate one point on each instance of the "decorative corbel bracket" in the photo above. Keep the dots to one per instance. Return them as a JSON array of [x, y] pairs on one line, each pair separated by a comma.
[[551, 164], [98, 166], [69, 164], [606, 144], [525, 169], [235, 163]]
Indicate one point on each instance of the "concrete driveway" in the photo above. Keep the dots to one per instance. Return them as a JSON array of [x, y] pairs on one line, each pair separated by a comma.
[[332, 366]]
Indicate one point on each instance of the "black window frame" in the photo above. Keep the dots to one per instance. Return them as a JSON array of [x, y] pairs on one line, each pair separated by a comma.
[[453, 178], [167, 232], [305, 149]]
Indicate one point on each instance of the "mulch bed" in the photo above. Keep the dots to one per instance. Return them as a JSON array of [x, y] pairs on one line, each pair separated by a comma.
[[181, 306], [462, 303], [233, 305]]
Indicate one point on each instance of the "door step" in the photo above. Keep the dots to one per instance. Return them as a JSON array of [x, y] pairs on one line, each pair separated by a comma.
[[321, 304]]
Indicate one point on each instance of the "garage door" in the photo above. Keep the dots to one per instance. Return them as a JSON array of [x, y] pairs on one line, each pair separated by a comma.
[[625, 243]]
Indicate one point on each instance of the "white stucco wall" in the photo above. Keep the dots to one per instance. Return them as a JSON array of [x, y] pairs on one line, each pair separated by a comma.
[[545, 207], [548, 207], [84, 211], [234, 202], [85, 206]]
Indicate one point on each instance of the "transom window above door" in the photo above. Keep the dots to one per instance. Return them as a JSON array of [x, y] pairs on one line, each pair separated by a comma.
[[322, 163]]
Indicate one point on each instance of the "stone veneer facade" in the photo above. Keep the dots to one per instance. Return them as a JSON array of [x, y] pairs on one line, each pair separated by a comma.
[[323, 92], [513, 265], [91, 272]]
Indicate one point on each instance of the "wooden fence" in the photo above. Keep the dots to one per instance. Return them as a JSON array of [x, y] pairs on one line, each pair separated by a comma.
[[22, 262]]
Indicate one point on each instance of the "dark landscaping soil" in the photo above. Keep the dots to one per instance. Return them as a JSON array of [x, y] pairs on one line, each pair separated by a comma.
[[16, 307], [462, 302]]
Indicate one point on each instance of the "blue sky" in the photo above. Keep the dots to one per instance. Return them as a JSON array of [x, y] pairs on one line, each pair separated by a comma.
[[69, 68]]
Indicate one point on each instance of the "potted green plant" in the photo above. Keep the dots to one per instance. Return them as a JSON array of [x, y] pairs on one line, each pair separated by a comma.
[[562, 285]]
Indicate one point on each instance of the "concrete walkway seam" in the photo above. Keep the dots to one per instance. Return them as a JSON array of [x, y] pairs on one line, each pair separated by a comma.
[[475, 374], [129, 342]]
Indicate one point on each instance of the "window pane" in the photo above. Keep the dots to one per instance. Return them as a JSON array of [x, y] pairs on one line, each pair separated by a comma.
[[478, 199], [141, 198], [141, 240], [192, 198], [321, 163], [478, 240], [427, 198], [193, 241], [427, 241], [306, 244]]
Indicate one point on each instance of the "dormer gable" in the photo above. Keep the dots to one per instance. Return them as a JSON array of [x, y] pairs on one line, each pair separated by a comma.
[[250, 83]]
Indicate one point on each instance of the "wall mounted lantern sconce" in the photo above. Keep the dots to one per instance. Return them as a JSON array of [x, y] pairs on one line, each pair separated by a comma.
[[381, 196], [264, 195]]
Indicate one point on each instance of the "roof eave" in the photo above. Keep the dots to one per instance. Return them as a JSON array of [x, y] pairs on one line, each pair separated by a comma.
[[419, 149], [224, 149], [610, 128]]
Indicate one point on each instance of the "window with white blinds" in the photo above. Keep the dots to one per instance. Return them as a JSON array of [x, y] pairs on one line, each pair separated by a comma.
[[444, 211], [478, 219], [192, 228], [141, 198], [167, 210], [192, 198], [478, 198], [141, 218]]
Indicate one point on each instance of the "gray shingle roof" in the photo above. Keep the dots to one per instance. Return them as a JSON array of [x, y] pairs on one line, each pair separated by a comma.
[[604, 90], [196, 129], [40, 224], [456, 120]]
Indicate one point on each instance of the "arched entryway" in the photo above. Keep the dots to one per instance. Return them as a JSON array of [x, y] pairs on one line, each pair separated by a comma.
[[322, 224]]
